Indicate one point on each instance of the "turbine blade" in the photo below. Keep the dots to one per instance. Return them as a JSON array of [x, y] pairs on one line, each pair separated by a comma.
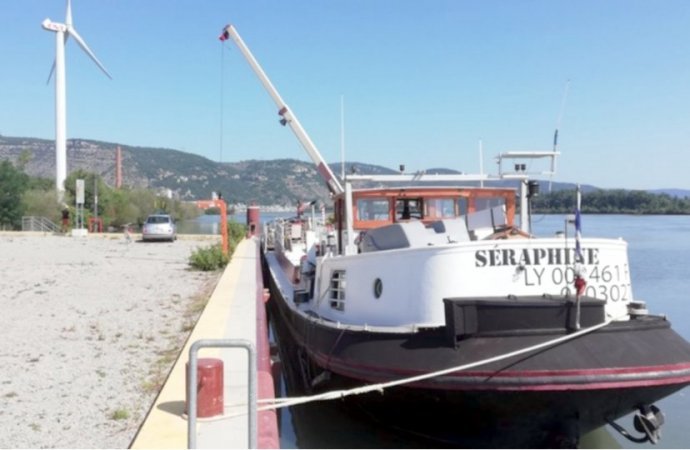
[[86, 48], [52, 68], [50, 75], [68, 14]]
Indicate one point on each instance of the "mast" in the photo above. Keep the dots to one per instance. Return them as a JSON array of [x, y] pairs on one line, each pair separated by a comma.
[[287, 116], [520, 173]]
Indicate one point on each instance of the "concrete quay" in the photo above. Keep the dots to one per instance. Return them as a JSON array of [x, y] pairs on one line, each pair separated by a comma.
[[235, 311]]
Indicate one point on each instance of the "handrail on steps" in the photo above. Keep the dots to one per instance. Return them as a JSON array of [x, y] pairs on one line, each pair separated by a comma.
[[38, 223]]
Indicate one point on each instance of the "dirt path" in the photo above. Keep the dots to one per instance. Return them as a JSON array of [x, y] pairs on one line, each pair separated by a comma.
[[90, 328]]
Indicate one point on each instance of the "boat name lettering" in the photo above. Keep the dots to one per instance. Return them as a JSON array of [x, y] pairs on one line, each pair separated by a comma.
[[533, 257]]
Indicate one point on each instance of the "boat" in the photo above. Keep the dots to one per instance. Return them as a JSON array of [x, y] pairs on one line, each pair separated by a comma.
[[434, 294]]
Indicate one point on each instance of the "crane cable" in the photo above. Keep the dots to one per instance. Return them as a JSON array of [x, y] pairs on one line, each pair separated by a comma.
[[222, 97]]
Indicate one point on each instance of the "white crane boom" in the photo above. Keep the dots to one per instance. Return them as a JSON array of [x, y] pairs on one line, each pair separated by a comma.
[[288, 118]]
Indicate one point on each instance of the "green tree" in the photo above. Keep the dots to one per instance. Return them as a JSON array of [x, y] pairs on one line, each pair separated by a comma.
[[120, 210], [145, 202], [25, 158], [93, 184], [13, 183], [41, 202], [43, 184], [185, 210]]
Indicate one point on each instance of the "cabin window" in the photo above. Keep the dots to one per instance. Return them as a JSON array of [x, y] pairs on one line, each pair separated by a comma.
[[488, 203], [337, 290], [372, 209], [408, 208], [439, 208], [463, 206]]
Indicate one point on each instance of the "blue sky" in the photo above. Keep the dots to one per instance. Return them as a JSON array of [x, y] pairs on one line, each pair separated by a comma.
[[422, 81]]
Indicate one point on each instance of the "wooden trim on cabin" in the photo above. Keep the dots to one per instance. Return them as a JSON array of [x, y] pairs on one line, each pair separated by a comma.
[[470, 194]]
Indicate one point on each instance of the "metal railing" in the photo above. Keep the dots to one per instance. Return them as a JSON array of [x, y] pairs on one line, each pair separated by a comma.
[[37, 223], [192, 377]]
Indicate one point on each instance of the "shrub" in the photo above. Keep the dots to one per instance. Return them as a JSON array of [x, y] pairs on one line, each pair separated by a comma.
[[236, 232], [119, 414], [208, 258]]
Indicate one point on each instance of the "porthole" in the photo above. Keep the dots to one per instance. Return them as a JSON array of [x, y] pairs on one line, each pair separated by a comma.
[[378, 287]]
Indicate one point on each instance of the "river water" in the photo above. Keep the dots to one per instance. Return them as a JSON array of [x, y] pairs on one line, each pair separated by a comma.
[[210, 224], [659, 256]]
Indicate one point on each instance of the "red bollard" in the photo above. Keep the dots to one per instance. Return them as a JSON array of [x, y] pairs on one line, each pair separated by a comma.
[[209, 387], [253, 220]]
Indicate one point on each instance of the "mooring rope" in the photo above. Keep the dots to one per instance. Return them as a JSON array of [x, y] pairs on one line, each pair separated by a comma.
[[276, 403]]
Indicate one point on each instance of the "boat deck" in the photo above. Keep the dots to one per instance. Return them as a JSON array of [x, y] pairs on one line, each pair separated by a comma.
[[231, 313]]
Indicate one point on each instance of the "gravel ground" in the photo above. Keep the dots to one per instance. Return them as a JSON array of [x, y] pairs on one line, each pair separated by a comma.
[[90, 328]]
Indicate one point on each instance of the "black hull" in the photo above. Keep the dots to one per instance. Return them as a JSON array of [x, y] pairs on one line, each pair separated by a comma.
[[546, 398]]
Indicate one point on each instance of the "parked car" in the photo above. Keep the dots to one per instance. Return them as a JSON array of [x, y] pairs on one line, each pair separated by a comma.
[[159, 227]]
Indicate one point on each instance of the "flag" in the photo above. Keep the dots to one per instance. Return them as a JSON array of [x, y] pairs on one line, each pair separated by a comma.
[[580, 283], [224, 36], [578, 228]]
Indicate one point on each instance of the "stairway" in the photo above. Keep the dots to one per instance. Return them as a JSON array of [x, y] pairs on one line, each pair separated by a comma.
[[37, 223]]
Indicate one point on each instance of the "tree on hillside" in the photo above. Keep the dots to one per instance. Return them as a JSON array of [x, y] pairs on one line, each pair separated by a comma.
[[612, 201], [24, 158], [13, 183]]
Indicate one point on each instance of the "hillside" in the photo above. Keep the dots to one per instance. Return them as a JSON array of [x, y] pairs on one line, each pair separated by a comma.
[[191, 177]]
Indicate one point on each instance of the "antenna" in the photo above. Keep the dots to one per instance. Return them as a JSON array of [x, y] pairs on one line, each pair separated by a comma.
[[481, 163], [560, 114], [558, 125], [342, 137]]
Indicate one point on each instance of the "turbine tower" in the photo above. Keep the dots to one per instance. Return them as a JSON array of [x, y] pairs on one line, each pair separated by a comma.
[[62, 32]]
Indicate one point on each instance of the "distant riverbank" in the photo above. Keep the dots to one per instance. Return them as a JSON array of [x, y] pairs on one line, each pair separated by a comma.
[[210, 223]]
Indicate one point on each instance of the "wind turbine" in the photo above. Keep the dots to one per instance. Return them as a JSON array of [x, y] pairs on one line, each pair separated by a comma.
[[62, 32]]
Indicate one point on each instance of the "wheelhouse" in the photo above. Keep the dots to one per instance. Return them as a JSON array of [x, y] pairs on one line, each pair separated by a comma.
[[374, 208]]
